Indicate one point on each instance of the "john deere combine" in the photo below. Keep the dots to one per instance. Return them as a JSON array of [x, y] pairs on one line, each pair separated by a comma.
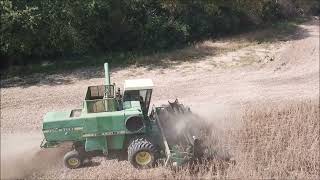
[[112, 122]]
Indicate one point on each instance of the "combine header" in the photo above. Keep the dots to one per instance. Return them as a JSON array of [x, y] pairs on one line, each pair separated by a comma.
[[113, 123]]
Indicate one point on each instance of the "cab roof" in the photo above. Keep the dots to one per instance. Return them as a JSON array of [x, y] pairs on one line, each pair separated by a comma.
[[138, 84]]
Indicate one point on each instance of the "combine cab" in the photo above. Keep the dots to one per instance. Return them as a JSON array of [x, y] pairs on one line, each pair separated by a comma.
[[111, 122]]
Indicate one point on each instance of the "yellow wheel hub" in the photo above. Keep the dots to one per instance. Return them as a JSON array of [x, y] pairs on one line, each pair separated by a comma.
[[73, 161], [143, 158]]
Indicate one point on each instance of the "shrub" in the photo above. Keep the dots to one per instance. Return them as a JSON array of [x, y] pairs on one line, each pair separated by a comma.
[[32, 30]]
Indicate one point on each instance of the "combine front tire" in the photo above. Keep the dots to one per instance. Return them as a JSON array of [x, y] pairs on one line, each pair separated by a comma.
[[72, 160], [142, 153]]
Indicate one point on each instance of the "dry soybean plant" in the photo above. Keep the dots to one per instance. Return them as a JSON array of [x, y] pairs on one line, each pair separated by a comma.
[[278, 141]]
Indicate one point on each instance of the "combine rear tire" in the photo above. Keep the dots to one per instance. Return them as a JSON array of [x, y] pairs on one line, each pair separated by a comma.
[[72, 160], [142, 153]]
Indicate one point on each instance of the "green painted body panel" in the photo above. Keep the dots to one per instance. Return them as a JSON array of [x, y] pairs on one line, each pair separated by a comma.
[[89, 127], [63, 136], [104, 122], [58, 126], [96, 143], [61, 120], [115, 142], [57, 116]]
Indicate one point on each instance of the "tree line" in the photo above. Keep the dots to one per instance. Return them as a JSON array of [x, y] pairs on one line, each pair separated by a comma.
[[32, 30]]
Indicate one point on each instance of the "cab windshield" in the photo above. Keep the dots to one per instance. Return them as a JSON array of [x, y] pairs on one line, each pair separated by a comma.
[[144, 96]]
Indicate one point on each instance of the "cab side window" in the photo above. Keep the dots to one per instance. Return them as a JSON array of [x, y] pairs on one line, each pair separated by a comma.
[[132, 96]]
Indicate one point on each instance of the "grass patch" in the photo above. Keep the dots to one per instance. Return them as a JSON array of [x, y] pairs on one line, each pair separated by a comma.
[[52, 66]]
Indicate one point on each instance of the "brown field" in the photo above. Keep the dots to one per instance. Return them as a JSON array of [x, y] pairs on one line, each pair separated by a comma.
[[275, 140], [278, 141], [261, 98]]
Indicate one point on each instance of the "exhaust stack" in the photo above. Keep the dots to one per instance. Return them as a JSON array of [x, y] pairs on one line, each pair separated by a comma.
[[106, 74]]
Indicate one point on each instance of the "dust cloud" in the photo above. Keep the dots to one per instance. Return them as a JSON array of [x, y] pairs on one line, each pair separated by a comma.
[[221, 116], [221, 121], [21, 155], [210, 123]]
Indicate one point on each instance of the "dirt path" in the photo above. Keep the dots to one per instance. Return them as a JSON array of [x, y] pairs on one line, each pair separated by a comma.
[[213, 85]]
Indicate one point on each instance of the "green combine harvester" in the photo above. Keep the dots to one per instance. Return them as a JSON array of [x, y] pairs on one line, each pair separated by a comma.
[[114, 123]]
